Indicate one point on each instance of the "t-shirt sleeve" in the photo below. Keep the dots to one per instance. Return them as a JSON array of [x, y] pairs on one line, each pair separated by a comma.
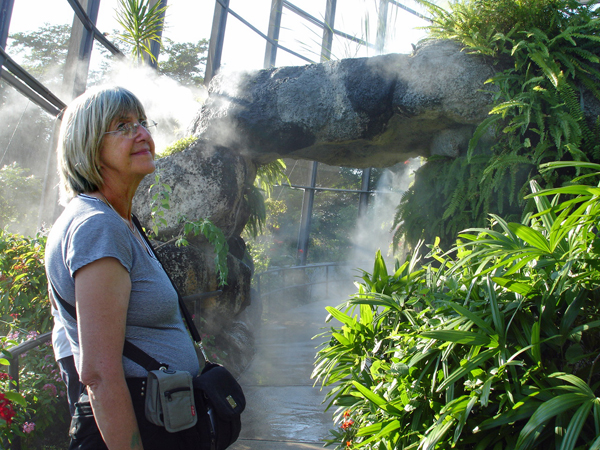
[[96, 237]]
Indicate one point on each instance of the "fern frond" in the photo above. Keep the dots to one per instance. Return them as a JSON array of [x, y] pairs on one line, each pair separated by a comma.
[[271, 174]]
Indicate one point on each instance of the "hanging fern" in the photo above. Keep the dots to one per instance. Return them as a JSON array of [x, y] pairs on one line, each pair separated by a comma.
[[550, 49], [267, 176]]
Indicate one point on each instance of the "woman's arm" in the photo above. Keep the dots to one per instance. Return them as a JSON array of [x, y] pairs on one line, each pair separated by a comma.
[[102, 290]]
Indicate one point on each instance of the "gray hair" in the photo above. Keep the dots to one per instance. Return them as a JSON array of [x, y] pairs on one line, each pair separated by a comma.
[[83, 125]]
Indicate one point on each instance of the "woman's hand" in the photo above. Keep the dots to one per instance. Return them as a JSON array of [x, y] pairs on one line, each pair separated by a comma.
[[102, 290]]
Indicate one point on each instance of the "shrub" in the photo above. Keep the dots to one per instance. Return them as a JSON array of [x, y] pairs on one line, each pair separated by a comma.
[[494, 347], [25, 314]]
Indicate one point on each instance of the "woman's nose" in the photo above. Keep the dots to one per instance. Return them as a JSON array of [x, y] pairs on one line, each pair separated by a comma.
[[141, 131]]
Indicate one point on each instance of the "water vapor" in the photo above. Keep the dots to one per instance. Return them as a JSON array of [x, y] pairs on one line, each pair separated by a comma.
[[374, 230]]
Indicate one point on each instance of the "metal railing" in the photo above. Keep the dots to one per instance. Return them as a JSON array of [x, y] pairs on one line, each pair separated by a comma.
[[13, 367], [18, 350], [300, 280]]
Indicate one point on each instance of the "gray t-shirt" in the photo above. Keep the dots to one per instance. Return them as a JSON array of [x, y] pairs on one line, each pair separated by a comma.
[[89, 230]]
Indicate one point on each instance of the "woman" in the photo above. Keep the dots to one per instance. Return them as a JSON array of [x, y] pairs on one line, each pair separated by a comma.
[[97, 262]]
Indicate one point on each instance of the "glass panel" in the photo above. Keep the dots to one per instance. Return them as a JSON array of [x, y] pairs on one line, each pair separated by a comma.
[[334, 218], [315, 8], [189, 21], [339, 177], [357, 18], [243, 48], [402, 28], [301, 36], [298, 171]]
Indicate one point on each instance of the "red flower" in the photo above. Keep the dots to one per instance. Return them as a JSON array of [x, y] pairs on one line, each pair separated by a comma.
[[6, 410], [347, 424]]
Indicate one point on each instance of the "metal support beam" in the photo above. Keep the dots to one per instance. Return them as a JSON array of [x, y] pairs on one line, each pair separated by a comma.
[[306, 218], [382, 25], [29, 86], [80, 12], [412, 11], [79, 54], [154, 45], [328, 30], [49, 208], [6, 7], [363, 199], [217, 38], [273, 33]]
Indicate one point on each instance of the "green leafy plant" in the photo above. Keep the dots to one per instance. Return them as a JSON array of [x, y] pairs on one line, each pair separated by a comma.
[[546, 55], [267, 176], [142, 25], [25, 314], [214, 235], [493, 347]]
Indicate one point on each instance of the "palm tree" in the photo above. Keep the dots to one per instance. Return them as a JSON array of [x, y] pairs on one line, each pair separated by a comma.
[[143, 24]]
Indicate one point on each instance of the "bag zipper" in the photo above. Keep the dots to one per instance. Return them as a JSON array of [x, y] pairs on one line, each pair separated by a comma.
[[170, 393]]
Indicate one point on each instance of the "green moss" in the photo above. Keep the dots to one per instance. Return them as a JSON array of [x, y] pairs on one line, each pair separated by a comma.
[[177, 146]]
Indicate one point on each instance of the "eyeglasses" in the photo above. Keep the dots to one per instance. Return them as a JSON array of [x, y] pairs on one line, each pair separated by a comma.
[[129, 130]]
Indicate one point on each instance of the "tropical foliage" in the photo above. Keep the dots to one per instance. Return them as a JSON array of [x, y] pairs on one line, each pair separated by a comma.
[[24, 315], [494, 345], [142, 25], [267, 176], [546, 55]]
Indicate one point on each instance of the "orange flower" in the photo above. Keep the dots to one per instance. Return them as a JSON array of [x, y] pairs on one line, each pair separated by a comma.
[[347, 424]]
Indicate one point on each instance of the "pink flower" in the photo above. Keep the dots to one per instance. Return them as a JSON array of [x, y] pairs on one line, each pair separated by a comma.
[[28, 427], [50, 387], [12, 336], [32, 335]]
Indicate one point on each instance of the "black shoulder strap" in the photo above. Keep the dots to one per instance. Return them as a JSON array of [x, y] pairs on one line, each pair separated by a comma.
[[186, 313]]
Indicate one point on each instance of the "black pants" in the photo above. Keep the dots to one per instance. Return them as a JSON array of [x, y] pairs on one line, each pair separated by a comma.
[[69, 374], [86, 436]]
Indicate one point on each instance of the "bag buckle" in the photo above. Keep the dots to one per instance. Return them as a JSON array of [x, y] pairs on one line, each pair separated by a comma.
[[199, 345]]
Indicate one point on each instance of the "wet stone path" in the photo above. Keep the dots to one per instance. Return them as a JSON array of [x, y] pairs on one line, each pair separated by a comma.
[[284, 410]]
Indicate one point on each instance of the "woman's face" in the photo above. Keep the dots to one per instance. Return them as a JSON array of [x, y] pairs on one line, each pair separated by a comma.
[[123, 158]]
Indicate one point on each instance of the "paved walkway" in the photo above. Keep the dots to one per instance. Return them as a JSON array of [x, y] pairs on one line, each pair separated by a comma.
[[284, 410]]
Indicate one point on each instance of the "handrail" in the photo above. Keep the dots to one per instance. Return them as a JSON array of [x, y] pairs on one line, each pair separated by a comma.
[[18, 350], [327, 281]]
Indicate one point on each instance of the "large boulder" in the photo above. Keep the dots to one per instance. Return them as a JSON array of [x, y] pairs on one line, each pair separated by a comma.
[[363, 112], [207, 181]]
